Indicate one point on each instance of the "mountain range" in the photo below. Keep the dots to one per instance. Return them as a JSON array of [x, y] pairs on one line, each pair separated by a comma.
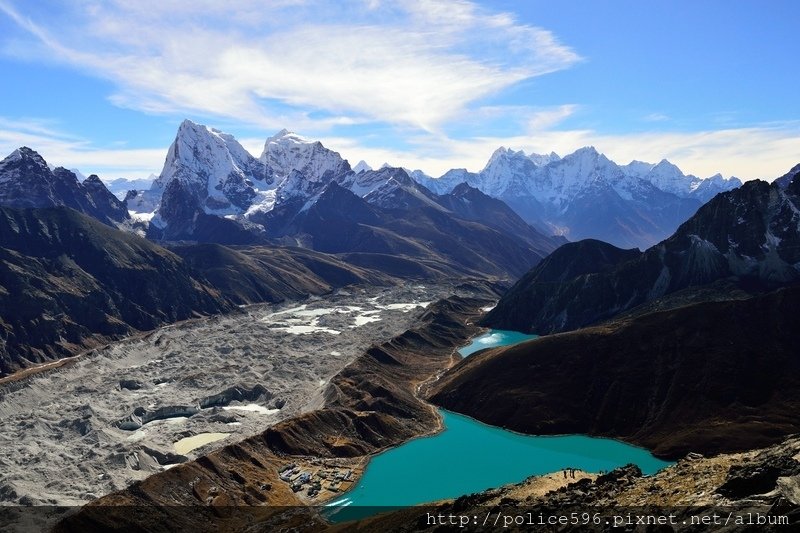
[[300, 193], [586, 195], [582, 195]]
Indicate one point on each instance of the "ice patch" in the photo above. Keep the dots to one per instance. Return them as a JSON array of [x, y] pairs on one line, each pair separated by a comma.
[[366, 317], [405, 307], [137, 435], [335, 353], [252, 408], [141, 217], [307, 329]]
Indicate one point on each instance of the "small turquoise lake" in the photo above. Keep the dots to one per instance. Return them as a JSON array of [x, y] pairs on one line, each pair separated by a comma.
[[469, 456], [493, 338]]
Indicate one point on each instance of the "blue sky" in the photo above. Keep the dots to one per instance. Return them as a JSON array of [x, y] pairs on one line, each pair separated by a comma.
[[710, 85]]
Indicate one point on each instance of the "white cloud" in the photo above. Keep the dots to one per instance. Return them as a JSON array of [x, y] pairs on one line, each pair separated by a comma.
[[655, 117], [418, 64], [547, 118], [65, 150]]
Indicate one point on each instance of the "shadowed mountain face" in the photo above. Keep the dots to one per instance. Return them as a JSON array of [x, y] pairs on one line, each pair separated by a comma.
[[751, 233], [27, 181], [709, 377], [68, 282], [338, 221], [254, 274], [470, 203]]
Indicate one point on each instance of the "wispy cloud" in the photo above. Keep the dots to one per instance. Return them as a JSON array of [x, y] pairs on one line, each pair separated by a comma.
[[415, 64], [66, 150], [655, 117]]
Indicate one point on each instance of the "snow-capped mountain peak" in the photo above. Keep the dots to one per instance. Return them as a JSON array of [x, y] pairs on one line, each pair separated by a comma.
[[287, 151], [541, 160], [361, 166]]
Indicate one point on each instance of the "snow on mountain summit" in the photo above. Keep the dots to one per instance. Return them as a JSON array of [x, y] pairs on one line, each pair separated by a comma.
[[287, 151], [361, 166], [213, 167]]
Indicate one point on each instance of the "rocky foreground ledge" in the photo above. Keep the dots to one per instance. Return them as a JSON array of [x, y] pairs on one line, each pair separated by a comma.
[[370, 406]]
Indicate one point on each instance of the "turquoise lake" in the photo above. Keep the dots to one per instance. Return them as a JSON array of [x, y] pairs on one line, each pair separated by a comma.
[[494, 337], [469, 456]]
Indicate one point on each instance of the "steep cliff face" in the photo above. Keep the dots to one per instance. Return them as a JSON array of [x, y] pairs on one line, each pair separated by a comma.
[[709, 377], [750, 234]]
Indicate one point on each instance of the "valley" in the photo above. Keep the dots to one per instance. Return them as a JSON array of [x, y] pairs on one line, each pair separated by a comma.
[[399, 266], [123, 412]]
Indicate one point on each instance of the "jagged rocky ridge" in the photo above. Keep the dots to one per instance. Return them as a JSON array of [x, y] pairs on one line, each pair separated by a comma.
[[27, 182], [750, 234]]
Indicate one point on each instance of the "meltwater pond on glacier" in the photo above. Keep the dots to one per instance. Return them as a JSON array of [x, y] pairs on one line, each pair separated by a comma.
[[469, 456]]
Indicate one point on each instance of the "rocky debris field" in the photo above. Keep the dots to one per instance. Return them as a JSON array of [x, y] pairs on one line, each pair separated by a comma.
[[142, 405]]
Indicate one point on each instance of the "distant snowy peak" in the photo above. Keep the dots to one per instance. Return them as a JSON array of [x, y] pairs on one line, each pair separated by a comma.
[[669, 178], [120, 186], [361, 166], [24, 154], [449, 180], [508, 172], [286, 151], [541, 160], [389, 187], [204, 154]]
